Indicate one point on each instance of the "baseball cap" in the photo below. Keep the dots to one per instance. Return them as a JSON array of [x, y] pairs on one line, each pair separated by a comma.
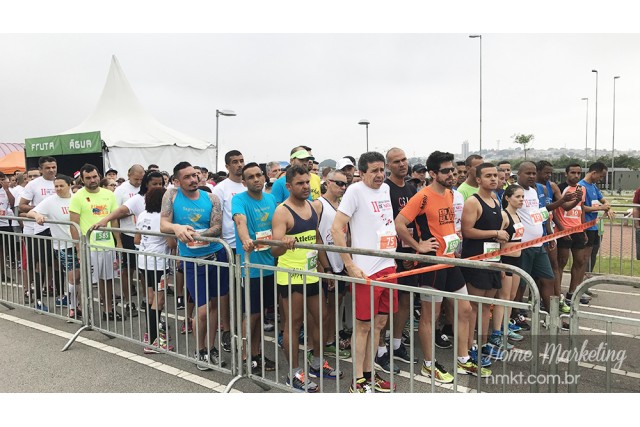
[[111, 170], [302, 154], [419, 168], [343, 163]]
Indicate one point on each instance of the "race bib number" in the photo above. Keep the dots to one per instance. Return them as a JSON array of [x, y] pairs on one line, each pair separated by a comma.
[[312, 260], [402, 243], [539, 216], [263, 235], [102, 236], [490, 247], [196, 243], [518, 231], [451, 243], [387, 241], [574, 213]]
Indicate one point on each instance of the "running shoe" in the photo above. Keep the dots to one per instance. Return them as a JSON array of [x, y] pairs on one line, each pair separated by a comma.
[[214, 358], [61, 302], [360, 386], [132, 307], [344, 344], [473, 354], [470, 368], [513, 327], [584, 299], [202, 356], [520, 321], [180, 303], [112, 316], [565, 326], [280, 338], [442, 340], [384, 363], [493, 352], [226, 341], [440, 375], [268, 327], [184, 329], [381, 385], [327, 372], [496, 340], [145, 338], [448, 331], [513, 336], [256, 365], [75, 314], [564, 308], [298, 382], [402, 355], [41, 307], [158, 343], [331, 350]]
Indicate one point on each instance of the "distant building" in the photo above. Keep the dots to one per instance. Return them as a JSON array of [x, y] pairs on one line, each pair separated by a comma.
[[465, 149]]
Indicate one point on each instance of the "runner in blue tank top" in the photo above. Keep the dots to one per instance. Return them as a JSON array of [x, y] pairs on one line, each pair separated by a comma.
[[188, 212]]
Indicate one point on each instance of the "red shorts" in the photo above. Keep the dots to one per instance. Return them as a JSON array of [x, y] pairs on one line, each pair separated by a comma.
[[381, 297]]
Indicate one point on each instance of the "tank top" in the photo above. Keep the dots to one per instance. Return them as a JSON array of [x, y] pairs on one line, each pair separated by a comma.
[[324, 227], [304, 231], [514, 235], [490, 219], [197, 214]]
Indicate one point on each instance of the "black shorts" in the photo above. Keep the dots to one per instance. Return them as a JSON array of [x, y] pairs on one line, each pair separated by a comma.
[[510, 260], [255, 288], [312, 289], [482, 279], [127, 259], [448, 279], [152, 277], [592, 236], [39, 250], [406, 280], [342, 285], [577, 241]]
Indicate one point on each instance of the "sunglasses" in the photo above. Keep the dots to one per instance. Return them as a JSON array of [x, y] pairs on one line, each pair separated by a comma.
[[339, 183], [446, 171]]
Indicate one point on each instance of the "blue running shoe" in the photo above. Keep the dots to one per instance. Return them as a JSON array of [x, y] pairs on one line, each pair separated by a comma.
[[41, 307], [493, 352], [513, 327], [473, 354], [497, 340], [61, 302], [280, 337]]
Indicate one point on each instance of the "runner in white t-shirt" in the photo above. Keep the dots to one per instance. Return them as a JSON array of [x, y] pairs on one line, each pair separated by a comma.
[[124, 192], [225, 190], [39, 250], [56, 208], [366, 208], [6, 204]]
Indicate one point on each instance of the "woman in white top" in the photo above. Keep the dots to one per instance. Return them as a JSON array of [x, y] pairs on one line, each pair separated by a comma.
[[56, 207], [153, 266]]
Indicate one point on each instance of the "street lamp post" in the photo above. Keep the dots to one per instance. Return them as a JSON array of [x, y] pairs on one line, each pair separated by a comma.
[[595, 141], [366, 123], [613, 138], [229, 113], [479, 36], [586, 135]]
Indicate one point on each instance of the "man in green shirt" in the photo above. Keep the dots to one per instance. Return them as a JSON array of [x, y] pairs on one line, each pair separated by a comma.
[[87, 207], [470, 187]]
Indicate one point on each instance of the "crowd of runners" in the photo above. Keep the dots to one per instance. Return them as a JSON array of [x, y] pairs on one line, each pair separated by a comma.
[[445, 207]]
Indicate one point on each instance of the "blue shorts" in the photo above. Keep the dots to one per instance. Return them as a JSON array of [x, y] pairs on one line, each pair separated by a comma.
[[68, 259], [255, 293], [203, 278]]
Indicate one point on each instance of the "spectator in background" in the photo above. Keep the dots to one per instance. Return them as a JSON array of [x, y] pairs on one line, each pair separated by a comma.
[[112, 174], [109, 184], [273, 168], [419, 172], [153, 167], [470, 186], [505, 165], [315, 168], [462, 173], [347, 167]]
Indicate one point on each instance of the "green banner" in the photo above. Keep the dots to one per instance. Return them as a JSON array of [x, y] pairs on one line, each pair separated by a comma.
[[60, 145]]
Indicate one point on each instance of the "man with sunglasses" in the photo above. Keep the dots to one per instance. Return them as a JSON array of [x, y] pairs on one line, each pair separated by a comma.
[[330, 262]]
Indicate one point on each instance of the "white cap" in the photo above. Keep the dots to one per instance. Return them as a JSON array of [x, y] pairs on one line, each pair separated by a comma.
[[343, 163]]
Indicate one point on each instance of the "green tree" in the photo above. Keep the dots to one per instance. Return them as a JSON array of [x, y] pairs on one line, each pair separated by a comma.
[[524, 140]]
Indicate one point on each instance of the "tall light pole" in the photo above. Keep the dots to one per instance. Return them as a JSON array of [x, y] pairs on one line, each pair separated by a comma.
[[586, 135], [219, 113], [595, 141], [478, 36], [613, 138], [366, 123]]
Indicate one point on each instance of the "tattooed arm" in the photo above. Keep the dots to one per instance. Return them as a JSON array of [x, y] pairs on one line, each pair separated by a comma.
[[215, 222], [183, 232]]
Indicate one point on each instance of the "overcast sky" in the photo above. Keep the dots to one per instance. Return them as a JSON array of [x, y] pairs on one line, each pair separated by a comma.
[[419, 91]]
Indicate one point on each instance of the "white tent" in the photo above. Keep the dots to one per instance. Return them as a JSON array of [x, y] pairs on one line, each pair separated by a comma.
[[132, 135]]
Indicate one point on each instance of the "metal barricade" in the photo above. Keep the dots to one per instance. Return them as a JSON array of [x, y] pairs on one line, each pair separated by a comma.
[[42, 273], [177, 334], [609, 354], [312, 329]]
